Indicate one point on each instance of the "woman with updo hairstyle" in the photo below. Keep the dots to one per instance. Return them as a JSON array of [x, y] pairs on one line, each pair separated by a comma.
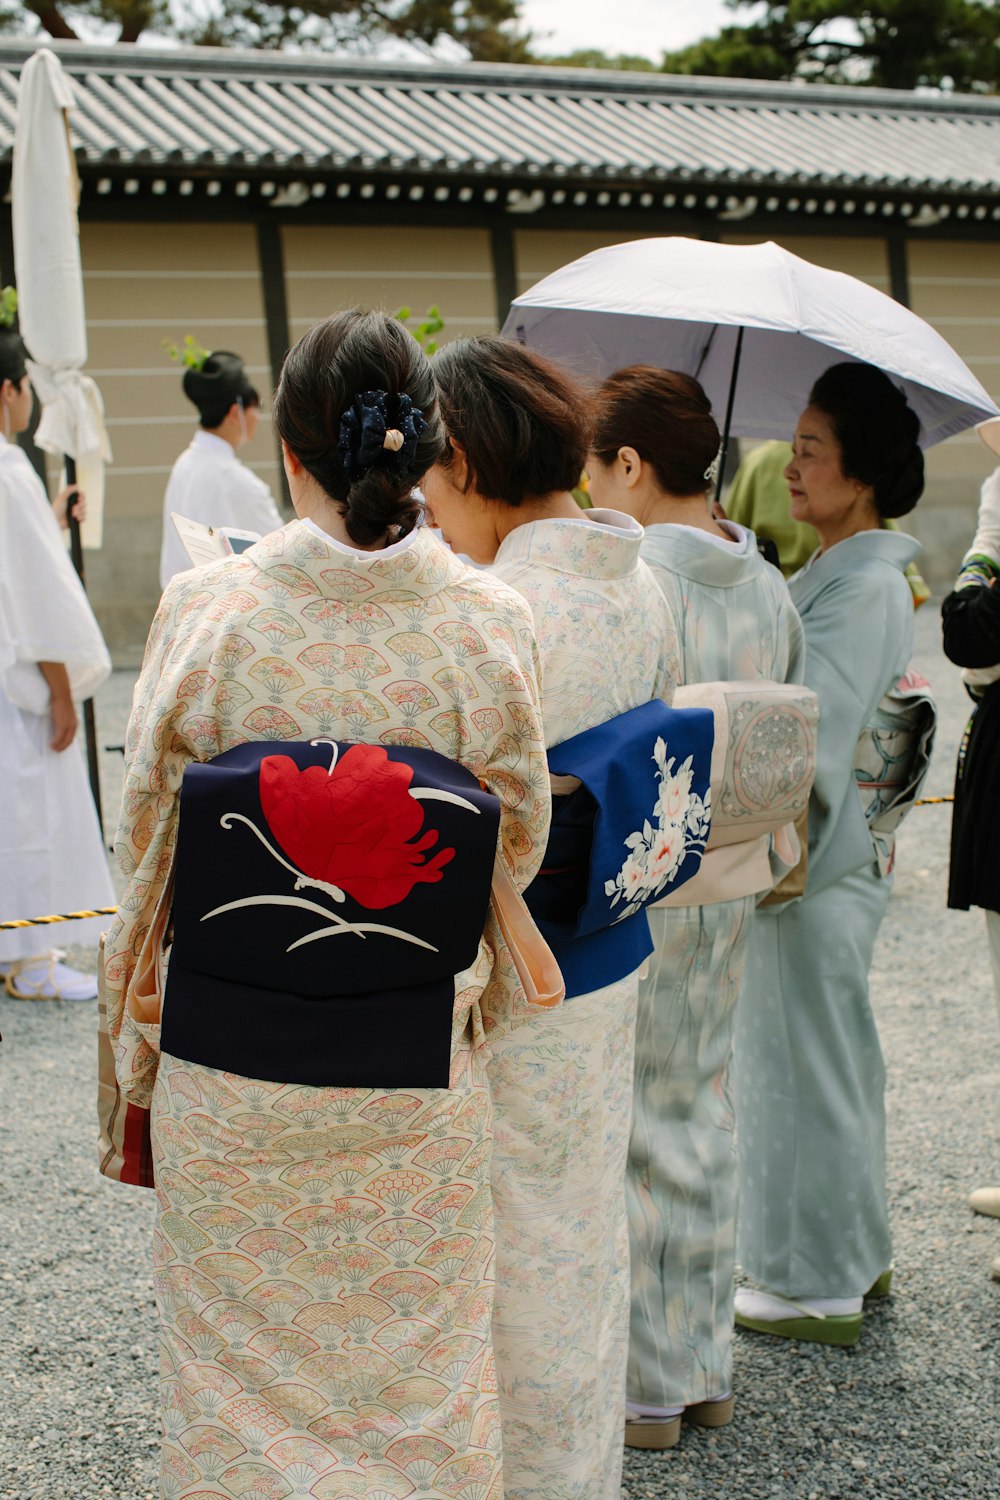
[[654, 450], [561, 1082], [319, 793], [813, 1229]]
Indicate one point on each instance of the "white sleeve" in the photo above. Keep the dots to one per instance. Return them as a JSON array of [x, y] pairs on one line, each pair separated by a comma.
[[44, 612], [250, 504]]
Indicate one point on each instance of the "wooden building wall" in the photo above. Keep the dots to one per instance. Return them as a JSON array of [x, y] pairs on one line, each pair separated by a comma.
[[150, 282], [145, 283]]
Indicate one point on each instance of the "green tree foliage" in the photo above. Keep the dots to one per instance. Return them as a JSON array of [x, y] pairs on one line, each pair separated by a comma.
[[487, 29], [900, 44], [589, 57]]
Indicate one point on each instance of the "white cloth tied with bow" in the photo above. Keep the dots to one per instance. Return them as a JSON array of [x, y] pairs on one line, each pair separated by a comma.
[[44, 194]]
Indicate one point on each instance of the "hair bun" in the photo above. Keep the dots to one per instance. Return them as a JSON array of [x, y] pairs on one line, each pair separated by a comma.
[[356, 406], [898, 493]]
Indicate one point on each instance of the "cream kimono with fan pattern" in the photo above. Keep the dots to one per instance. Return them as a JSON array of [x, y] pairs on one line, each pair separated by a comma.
[[324, 1255]]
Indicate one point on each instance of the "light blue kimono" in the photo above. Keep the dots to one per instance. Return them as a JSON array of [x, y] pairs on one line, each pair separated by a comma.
[[813, 1219], [735, 621]]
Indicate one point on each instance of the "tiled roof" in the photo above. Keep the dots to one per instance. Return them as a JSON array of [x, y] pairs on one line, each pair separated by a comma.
[[175, 110]]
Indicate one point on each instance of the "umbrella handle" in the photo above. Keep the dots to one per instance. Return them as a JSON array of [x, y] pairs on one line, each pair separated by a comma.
[[729, 414]]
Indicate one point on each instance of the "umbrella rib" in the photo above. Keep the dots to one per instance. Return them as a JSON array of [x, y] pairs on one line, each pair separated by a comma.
[[706, 351]]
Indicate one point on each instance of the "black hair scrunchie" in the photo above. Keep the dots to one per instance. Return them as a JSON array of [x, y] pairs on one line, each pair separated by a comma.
[[363, 427]]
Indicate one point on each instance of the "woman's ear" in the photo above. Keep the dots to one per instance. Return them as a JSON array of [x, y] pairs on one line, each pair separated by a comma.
[[293, 466], [629, 466], [458, 468]]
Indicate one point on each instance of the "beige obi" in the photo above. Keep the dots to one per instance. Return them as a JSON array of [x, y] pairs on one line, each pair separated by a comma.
[[763, 764]]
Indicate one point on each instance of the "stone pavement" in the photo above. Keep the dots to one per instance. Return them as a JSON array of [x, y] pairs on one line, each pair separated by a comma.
[[912, 1411]]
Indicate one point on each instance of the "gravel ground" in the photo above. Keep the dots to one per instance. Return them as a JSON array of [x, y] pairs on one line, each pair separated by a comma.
[[911, 1411]]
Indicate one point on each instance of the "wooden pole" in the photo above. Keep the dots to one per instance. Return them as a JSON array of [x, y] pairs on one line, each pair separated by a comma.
[[89, 720]]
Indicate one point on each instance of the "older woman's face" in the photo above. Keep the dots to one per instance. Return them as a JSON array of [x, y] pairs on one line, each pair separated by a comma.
[[821, 492], [465, 520]]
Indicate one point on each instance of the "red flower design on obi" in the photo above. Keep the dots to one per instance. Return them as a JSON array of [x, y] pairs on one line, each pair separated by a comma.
[[351, 827]]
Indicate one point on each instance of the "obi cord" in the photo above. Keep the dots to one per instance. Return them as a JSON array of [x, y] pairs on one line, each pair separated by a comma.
[[367, 438]]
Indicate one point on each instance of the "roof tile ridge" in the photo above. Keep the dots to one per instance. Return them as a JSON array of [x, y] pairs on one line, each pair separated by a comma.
[[241, 63]]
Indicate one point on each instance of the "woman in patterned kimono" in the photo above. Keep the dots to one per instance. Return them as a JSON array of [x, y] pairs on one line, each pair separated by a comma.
[[562, 1083], [324, 1253], [653, 453], [813, 1227]]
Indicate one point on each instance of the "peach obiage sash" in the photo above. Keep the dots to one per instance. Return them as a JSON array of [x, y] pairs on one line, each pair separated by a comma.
[[533, 958]]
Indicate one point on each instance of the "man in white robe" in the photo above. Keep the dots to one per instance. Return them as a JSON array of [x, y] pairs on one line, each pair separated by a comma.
[[208, 482], [52, 655]]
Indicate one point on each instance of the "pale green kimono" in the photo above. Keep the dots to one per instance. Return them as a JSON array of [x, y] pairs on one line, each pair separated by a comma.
[[735, 621], [813, 1219]]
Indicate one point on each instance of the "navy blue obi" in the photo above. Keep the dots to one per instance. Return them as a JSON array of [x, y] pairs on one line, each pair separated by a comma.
[[325, 897], [634, 830]]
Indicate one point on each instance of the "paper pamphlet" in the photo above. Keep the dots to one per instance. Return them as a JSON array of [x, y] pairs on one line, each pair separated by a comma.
[[205, 544]]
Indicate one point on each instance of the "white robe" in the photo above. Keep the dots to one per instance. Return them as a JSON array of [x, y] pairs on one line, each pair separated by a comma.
[[52, 855], [209, 484]]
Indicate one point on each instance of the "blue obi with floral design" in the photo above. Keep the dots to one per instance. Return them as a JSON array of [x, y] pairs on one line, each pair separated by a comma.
[[632, 830]]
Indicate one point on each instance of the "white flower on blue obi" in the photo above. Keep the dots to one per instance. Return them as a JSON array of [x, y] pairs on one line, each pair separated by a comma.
[[659, 849]]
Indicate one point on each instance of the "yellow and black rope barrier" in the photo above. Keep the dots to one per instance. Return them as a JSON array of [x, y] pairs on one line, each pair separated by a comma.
[[66, 916]]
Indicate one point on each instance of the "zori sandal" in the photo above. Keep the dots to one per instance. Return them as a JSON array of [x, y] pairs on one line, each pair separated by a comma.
[[717, 1412], [656, 1433], [818, 1322], [882, 1285], [46, 978]]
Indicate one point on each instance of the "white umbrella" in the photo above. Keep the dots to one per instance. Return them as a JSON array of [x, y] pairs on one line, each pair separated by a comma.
[[753, 312], [45, 193]]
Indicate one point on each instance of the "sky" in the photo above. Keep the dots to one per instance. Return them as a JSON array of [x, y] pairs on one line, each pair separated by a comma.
[[645, 27]]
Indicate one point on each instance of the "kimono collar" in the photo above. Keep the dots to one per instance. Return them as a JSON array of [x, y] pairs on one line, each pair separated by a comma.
[[693, 554], [208, 442], [424, 567], [893, 547], [343, 547], [13, 453], [601, 544]]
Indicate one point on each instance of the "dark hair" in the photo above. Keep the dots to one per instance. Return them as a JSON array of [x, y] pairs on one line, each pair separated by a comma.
[[666, 417], [12, 357], [522, 421], [216, 385], [878, 433], [347, 354], [214, 416]]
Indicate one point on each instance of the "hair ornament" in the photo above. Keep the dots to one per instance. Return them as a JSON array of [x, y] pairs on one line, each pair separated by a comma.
[[712, 472], [366, 437]]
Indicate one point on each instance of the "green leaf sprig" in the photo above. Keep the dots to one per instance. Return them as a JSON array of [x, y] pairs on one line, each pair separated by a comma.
[[424, 332], [190, 354], [8, 307]]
